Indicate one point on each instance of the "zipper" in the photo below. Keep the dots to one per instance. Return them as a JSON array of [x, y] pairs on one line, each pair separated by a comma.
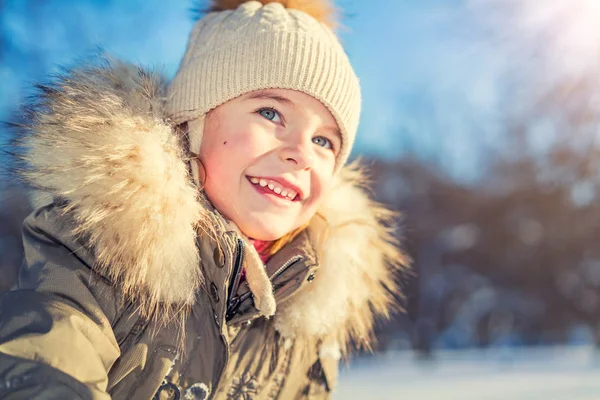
[[233, 302], [277, 273], [236, 273], [285, 266]]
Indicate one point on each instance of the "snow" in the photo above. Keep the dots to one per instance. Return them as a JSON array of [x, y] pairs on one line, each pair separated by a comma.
[[552, 373]]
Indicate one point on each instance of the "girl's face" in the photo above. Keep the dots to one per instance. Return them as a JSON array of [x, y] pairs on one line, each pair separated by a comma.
[[269, 157]]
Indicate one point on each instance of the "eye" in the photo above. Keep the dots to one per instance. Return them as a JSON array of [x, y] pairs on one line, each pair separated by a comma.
[[271, 114], [323, 142]]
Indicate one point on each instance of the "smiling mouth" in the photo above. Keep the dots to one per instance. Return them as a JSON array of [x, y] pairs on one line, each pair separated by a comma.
[[274, 188]]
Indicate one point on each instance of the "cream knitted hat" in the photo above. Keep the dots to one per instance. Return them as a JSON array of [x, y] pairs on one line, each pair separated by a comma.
[[256, 46]]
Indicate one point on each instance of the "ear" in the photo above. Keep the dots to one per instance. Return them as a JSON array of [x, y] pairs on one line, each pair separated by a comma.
[[195, 134]]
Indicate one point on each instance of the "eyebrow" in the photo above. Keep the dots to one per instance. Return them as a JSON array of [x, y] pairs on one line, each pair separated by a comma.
[[265, 94]]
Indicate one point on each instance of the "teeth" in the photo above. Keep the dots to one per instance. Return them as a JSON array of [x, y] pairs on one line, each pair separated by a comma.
[[274, 186]]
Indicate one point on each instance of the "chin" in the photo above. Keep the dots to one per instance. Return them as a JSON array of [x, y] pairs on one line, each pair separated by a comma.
[[263, 232], [268, 236]]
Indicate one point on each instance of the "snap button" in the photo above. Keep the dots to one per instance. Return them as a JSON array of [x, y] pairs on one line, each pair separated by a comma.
[[217, 319], [214, 292], [198, 391], [311, 277], [170, 388], [248, 323], [218, 257]]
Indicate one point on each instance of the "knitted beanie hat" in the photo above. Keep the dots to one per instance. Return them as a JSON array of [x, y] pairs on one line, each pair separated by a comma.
[[254, 46]]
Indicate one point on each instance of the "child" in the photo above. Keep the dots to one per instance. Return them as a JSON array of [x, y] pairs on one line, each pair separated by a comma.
[[206, 242]]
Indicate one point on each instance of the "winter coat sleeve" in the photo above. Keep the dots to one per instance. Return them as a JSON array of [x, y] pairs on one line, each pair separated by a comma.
[[56, 340]]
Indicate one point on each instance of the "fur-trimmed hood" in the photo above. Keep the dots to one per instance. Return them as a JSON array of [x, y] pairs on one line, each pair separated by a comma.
[[98, 138]]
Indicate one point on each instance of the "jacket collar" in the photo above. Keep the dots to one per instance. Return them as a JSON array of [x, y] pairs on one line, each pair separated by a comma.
[[288, 270], [124, 175]]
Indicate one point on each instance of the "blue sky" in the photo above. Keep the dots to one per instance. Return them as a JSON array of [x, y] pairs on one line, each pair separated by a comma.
[[431, 81]]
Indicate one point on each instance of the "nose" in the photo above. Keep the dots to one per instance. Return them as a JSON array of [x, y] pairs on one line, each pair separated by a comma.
[[300, 154]]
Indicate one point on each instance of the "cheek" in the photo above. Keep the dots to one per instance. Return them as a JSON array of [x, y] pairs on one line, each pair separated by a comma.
[[220, 169], [225, 159], [221, 151], [240, 144], [320, 186], [322, 175]]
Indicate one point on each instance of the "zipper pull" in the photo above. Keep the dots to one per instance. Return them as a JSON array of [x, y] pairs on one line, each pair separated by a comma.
[[233, 300]]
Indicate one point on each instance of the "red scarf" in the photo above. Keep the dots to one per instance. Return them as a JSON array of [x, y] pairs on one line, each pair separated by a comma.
[[262, 247]]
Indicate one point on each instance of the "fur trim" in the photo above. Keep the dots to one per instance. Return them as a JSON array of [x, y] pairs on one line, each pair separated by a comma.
[[96, 139], [330, 350], [356, 281], [321, 10]]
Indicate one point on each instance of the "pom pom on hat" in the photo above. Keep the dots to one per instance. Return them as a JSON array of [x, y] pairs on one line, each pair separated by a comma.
[[321, 10]]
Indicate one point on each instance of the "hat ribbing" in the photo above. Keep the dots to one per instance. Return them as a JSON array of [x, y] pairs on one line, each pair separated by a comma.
[[256, 47]]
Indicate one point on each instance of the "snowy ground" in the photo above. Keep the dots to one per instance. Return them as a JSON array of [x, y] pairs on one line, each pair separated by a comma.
[[563, 373]]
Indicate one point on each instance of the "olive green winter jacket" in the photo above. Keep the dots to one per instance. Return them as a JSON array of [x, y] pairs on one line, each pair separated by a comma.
[[130, 287]]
